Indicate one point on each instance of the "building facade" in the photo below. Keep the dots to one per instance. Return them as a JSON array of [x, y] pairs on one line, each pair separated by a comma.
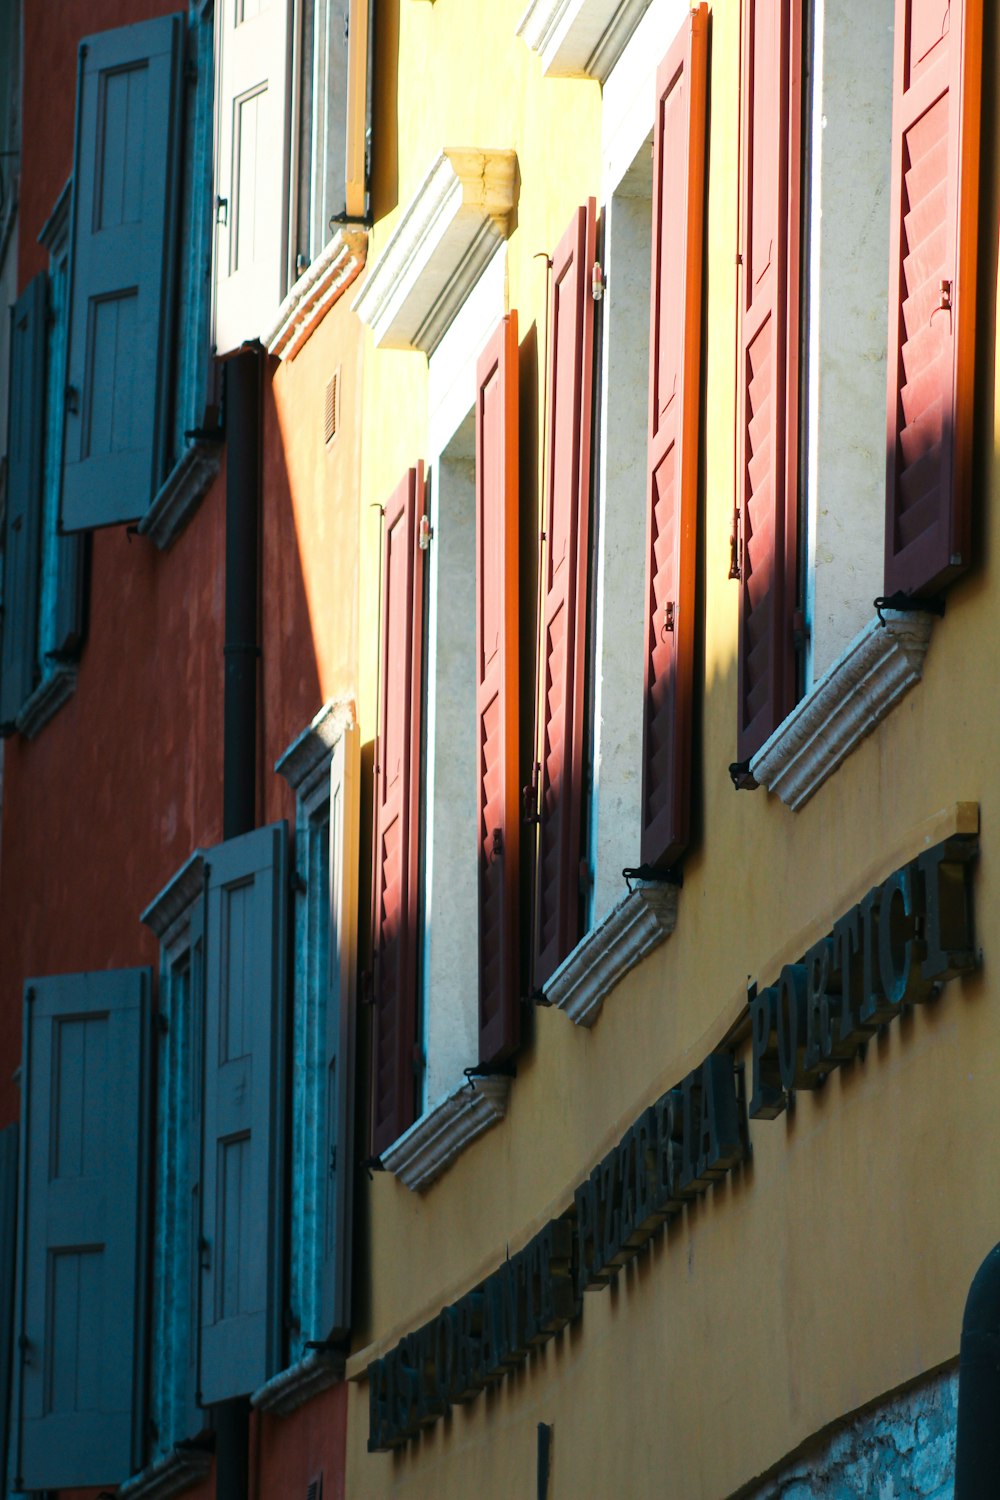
[[494, 883]]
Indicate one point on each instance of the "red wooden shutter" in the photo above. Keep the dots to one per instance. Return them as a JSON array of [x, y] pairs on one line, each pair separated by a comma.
[[768, 380], [496, 692], [932, 291], [672, 497], [397, 812], [564, 609]]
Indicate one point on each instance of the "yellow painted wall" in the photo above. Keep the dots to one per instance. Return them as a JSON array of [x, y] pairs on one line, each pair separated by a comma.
[[835, 1267]]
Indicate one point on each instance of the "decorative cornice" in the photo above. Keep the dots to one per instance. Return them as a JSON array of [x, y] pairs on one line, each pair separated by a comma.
[[286, 1392], [430, 1145], [461, 212], [56, 688], [177, 896], [321, 285], [580, 38], [878, 668], [175, 501], [308, 756], [638, 924], [170, 1475]]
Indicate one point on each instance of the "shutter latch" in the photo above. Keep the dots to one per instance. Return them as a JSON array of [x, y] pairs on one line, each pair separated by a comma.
[[497, 847], [668, 618], [944, 301], [529, 799], [597, 282], [222, 211]]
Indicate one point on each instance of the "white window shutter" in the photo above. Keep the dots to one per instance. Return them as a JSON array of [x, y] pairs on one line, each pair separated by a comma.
[[253, 138]]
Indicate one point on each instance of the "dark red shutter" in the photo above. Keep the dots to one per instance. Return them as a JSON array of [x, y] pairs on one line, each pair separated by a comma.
[[768, 377], [564, 606], [932, 291], [672, 496], [496, 692], [397, 812]]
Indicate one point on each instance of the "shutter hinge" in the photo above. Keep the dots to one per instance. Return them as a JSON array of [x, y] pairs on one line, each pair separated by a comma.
[[597, 282], [204, 1253], [496, 849], [425, 533], [735, 571], [672, 875], [162, 1024], [297, 882], [800, 630], [332, 1169], [529, 798]]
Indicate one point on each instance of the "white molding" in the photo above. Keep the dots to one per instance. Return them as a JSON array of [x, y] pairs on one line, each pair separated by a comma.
[[286, 1392], [56, 687], [433, 1142], [170, 1475], [307, 759], [322, 284], [447, 234], [580, 38], [878, 668], [174, 502], [177, 896], [638, 924]]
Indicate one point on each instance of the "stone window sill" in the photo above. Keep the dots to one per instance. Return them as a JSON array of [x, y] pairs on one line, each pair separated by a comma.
[[175, 1472], [638, 924], [286, 1392], [433, 1142], [177, 498], [580, 38], [877, 670], [56, 688], [321, 285]]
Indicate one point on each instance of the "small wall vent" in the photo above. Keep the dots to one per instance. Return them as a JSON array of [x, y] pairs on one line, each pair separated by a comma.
[[331, 421]]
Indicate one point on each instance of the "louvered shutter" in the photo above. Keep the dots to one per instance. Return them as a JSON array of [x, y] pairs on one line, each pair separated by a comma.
[[8, 1274], [22, 539], [242, 1221], [397, 812], [85, 1113], [570, 384], [932, 291], [768, 380], [253, 136], [672, 495], [338, 1104], [126, 179], [497, 692]]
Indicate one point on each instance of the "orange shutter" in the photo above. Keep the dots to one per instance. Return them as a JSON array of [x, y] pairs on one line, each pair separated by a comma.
[[496, 692], [932, 291], [768, 377], [564, 607], [397, 813], [672, 495]]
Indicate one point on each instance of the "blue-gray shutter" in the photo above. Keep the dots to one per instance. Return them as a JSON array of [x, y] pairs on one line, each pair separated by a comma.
[[122, 282], [8, 1262], [85, 1117], [22, 543], [242, 1220], [338, 1105], [191, 1170]]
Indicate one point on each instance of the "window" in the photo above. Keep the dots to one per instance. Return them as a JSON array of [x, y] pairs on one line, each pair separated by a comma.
[[292, 127]]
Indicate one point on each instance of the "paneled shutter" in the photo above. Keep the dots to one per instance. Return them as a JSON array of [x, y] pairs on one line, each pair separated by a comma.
[[932, 291], [768, 380], [361, 31], [397, 814], [253, 141], [126, 178], [8, 1276], [242, 1220], [497, 692], [570, 383], [22, 541], [338, 1105], [85, 1114], [672, 496]]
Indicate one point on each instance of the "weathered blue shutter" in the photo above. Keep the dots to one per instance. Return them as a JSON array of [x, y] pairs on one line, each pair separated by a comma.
[[123, 239], [194, 1020], [25, 450], [8, 1259], [338, 1163], [85, 1110], [245, 947]]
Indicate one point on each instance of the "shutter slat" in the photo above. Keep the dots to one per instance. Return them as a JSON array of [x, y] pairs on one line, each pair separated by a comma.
[[933, 239], [672, 495], [768, 430], [245, 958], [23, 529], [85, 1118], [497, 691], [397, 812], [123, 241], [564, 605]]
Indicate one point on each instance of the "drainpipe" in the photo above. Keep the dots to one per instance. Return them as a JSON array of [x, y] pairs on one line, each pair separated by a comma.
[[243, 403], [977, 1459]]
